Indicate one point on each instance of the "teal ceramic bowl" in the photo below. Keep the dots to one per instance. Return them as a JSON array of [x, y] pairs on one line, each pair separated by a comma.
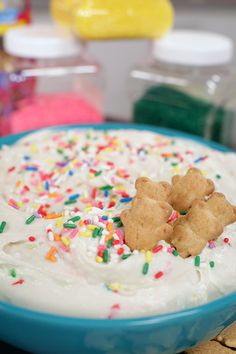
[[166, 334]]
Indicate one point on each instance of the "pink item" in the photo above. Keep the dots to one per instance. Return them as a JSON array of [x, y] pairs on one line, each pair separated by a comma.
[[58, 109]]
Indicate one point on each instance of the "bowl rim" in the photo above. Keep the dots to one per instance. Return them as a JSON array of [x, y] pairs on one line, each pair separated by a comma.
[[159, 319]]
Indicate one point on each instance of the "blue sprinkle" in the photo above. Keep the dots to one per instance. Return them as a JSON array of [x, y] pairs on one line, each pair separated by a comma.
[[104, 217], [106, 193], [46, 186], [71, 173], [126, 200], [31, 168], [26, 158], [74, 196]]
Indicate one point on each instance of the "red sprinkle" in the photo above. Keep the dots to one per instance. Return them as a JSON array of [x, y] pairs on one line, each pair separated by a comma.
[[11, 169], [120, 251], [19, 282], [157, 249], [111, 204], [226, 240], [31, 238], [115, 242], [158, 275], [100, 253]]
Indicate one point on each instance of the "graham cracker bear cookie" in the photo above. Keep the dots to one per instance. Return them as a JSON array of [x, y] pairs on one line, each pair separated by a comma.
[[211, 347], [228, 336], [185, 189], [205, 221], [154, 190], [145, 223]]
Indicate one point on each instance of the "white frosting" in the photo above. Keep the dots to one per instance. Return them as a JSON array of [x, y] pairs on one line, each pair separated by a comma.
[[75, 283]]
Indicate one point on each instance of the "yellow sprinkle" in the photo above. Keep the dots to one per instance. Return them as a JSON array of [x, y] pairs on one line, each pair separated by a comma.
[[33, 148], [87, 209], [59, 223], [91, 227], [65, 241], [85, 233], [19, 204], [176, 169], [99, 259], [108, 150], [148, 256], [204, 173], [91, 175], [114, 287], [50, 161]]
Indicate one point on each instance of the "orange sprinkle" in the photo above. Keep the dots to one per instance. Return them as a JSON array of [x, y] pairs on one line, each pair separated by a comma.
[[109, 227], [53, 216], [53, 195], [51, 254], [109, 237], [81, 223], [18, 183], [57, 237]]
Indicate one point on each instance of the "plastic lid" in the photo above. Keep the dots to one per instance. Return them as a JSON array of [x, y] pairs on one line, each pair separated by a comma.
[[193, 48], [40, 42]]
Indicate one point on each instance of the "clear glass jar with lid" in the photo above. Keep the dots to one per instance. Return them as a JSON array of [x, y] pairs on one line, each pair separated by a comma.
[[187, 85], [53, 82]]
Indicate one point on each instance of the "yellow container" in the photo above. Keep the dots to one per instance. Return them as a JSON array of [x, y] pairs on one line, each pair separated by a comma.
[[111, 19]]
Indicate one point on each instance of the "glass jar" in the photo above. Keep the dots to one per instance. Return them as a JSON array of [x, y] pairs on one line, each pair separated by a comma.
[[187, 85], [53, 82]]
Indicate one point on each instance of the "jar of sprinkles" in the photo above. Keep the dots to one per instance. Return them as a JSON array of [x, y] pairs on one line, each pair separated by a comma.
[[187, 85], [54, 81]]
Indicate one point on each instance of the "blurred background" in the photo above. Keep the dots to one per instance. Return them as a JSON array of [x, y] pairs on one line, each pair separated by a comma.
[[130, 66]]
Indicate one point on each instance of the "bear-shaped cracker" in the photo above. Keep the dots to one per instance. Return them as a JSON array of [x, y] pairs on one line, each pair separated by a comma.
[[185, 189], [154, 190], [205, 221], [145, 223]]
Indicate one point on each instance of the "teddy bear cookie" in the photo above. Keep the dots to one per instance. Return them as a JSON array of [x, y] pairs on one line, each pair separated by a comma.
[[204, 222], [154, 190], [211, 347], [185, 189], [145, 223], [228, 337]]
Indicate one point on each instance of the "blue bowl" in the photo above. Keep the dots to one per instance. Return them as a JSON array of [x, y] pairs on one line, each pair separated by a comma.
[[166, 334]]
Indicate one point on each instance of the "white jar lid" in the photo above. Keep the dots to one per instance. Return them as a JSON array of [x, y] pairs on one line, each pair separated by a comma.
[[40, 42], [186, 47]]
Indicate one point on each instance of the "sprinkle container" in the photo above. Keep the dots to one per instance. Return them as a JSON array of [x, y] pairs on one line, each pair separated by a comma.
[[54, 81]]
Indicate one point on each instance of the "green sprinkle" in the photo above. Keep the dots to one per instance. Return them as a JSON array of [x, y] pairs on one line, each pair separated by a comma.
[[175, 253], [218, 176], [60, 151], [212, 264], [70, 202], [197, 261], [116, 219], [2, 226], [13, 272], [75, 218], [145, 268], [100, 231], [105, 256], [106, 188], [95, 232], [30, 219], [109, 243], [119, 224], [68, 225], [183, 212], [98, 173], [125, 256], [174, 164]]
